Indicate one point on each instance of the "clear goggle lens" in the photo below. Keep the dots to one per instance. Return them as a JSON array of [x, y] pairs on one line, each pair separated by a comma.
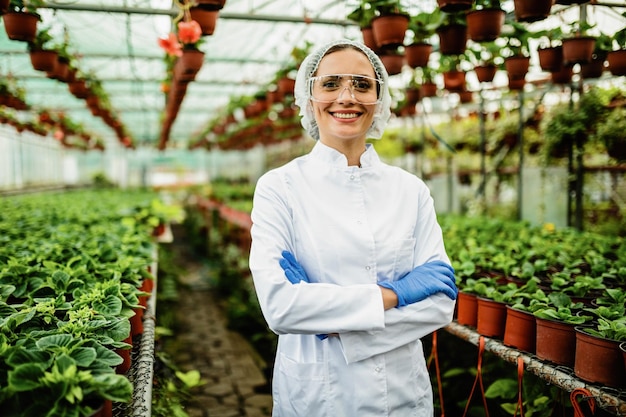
[[328, 88]]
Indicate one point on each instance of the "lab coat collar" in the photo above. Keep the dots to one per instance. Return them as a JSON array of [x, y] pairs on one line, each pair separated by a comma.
[[333, 157]]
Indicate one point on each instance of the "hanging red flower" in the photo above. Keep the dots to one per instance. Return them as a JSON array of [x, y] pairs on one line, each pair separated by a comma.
[[189, 31], [171, 45]]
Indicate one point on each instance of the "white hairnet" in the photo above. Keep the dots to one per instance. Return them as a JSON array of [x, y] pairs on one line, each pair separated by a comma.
[[382, 112]]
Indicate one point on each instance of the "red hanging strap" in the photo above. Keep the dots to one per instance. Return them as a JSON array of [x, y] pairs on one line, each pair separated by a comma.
[[520, 378], [434, 355], [587, 406], [479, 378]]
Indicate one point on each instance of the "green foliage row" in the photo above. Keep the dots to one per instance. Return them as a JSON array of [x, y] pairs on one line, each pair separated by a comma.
[[71, 265]]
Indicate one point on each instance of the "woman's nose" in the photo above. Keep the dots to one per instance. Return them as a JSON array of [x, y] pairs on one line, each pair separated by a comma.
[[350, 95]]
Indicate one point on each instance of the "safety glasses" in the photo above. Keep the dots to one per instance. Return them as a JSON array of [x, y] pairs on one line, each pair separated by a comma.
[[329, 88]]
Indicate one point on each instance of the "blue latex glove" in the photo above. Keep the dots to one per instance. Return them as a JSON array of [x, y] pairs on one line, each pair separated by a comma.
[[422, 282], [295, 273], [293, 270]]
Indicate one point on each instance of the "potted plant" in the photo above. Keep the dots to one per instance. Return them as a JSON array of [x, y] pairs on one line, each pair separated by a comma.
[[42, 56], [550, 50], [453, 6], [21, 19], [429, 85], [598, 351], [363, 15], [453, 73], [485, 20], [595, 67], [517, 50], [578, 46], [422, 27], [452, 32], [390, 24], [486, 60], [531, 11], [617, 57], [611, 132]]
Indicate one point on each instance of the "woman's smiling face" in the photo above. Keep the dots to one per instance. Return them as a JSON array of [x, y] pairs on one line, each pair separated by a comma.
[[345, 118]]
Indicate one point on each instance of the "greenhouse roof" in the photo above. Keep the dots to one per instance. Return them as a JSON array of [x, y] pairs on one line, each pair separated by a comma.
[[117, 42]]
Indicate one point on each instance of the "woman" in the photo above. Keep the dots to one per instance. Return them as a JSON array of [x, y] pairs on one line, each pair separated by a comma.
[[347, 256]]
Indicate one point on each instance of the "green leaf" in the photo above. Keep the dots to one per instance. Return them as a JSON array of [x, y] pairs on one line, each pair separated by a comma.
[[83, 356], [26, 377], [502, 388]]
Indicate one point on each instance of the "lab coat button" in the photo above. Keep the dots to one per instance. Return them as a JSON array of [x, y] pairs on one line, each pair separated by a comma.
[[377, 369], [367, 268], [351, 177]]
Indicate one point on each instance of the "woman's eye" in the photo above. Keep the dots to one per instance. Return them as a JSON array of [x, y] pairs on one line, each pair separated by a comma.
[[362, 84], [330, 84]]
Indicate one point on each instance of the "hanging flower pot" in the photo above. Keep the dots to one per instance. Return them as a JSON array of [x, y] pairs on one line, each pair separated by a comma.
[[491, 318], [556, 341], [484, 25], [206, 18], [562, 76], [392, 61], [4, 5], [467, 309], [597, 360], [428, 89], [593, 69], [520, 330], [452, 39], [516, 83], [578, 50], [389, 29], [286, 85], [412, 96], [418, 54], [188, 64], [486, 73], [368, 38], [531, 10], [43, 60], [617, 62], [550, 59], [21, 26], [452, 6], [454, 80], [517, 66], [211, 4]]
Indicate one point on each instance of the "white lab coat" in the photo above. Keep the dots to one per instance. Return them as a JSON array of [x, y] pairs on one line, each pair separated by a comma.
[[349, 227]]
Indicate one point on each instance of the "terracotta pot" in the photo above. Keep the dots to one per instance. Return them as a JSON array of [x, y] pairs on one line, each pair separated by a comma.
[[622, 347], [563, 76], [368, 38], [61, 70], [550, 59], [206, 18], [556, 341], [593, 69], [454, 80], [484, 25], [578, 50], [43, 60], [20, 26], [599, 360], [412, 96], [136, 322], [531, 10], [617, 62], [451, 6], [452, 39], [211, 4], [392, 62], [418, 54], [491, 318], [467, 309], [465, 96], [126, 358], [188, 65], [428, 90], [390, 30], [520, 330], [517, 66], [485, 73], [286, 85], [4, 5]]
